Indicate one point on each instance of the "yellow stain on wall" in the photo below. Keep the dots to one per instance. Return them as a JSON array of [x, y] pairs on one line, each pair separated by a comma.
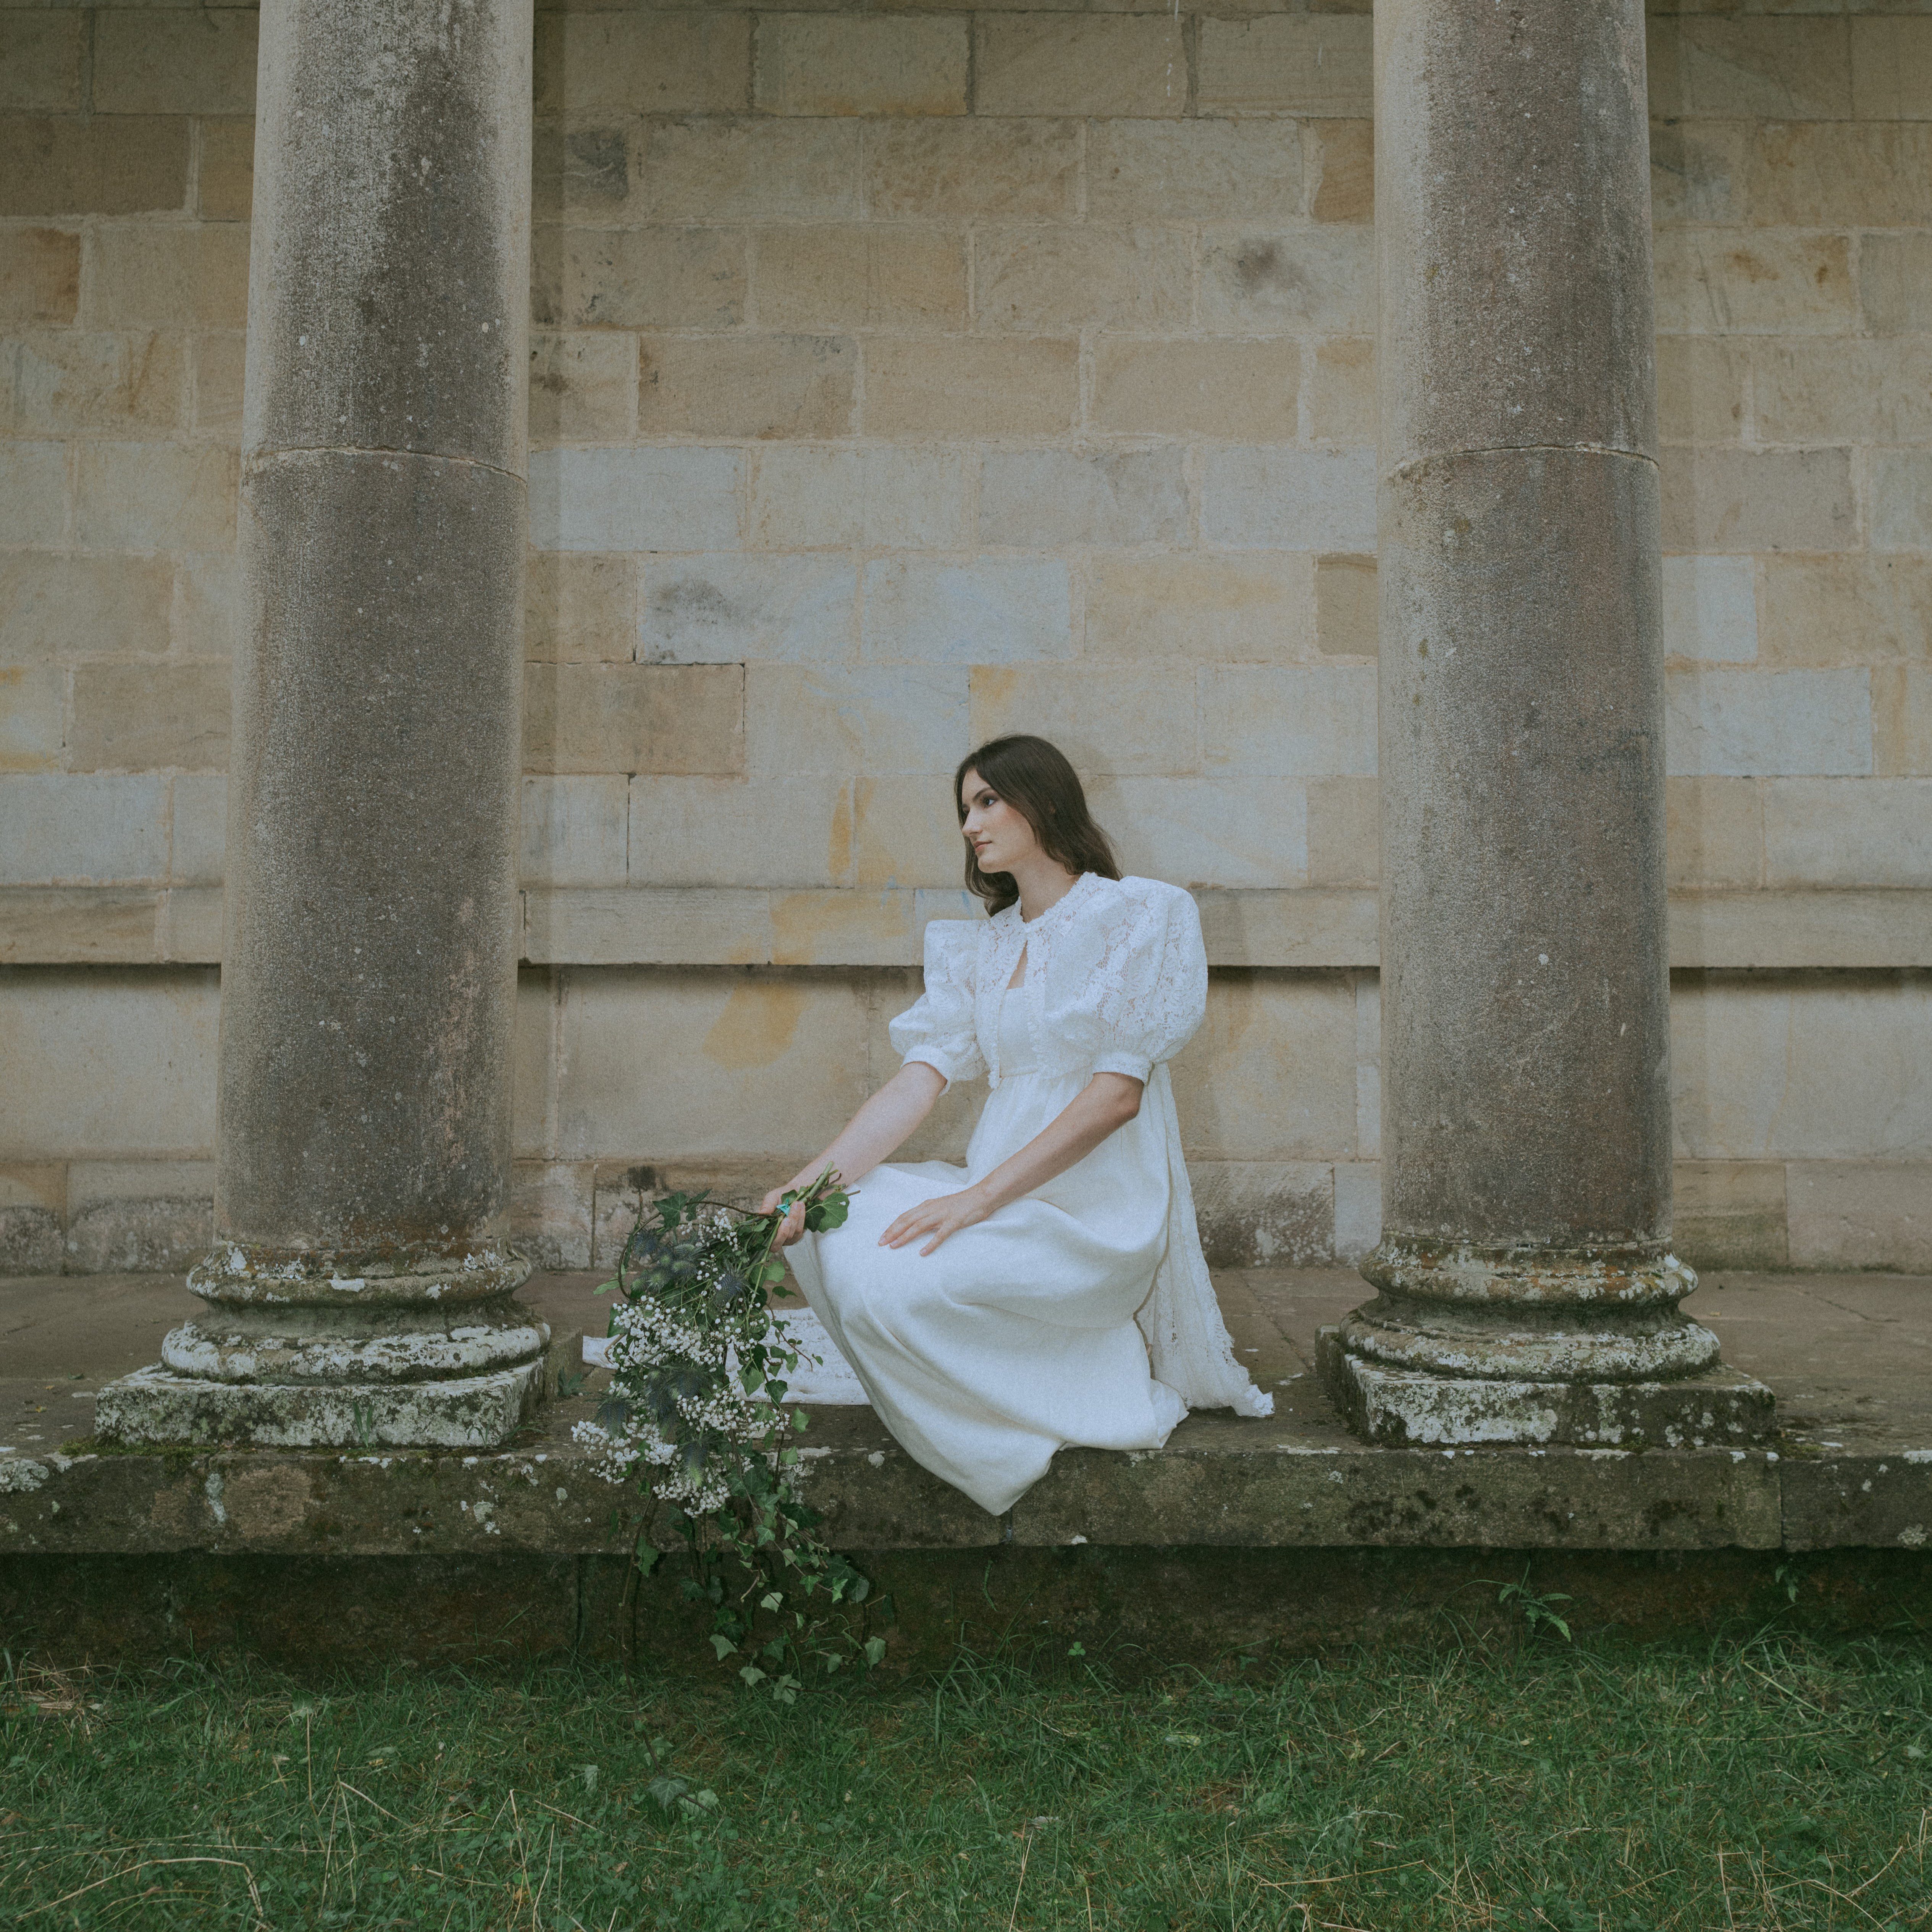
[[757, 1026]]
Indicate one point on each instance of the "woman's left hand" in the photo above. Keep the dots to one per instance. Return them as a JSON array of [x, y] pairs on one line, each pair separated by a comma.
[[946, 1215]]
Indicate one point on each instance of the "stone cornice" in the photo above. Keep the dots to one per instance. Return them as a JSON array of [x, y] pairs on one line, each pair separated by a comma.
[[1309, 928]]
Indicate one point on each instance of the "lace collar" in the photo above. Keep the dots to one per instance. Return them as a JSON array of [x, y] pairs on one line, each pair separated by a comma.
[[1074, 896]]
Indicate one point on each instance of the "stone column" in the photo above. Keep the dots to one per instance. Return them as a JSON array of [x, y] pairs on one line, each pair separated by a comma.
[[359, 1291], [1528, 1291]]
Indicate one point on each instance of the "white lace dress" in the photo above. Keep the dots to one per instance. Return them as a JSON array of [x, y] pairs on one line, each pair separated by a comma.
[[1082, 1312]]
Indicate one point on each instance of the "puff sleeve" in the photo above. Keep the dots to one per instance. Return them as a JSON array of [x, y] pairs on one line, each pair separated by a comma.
[[1146, 979], [939, 1029]]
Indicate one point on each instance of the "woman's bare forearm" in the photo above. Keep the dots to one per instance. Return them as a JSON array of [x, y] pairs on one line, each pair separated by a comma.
[[1107, 1103], [881, 1126]]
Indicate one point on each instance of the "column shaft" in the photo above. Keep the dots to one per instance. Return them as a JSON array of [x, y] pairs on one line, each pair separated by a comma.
[[1528, 1289], [360, 1281]]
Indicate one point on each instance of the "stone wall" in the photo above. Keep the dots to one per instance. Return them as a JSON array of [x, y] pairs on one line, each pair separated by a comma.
[[902, 376]]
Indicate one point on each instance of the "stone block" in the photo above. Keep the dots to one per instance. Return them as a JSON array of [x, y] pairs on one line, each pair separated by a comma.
[[143, 717], [573, 831], [53, 607], [775, 831], [1138, 720], [149, 275], [1895, 284], [1839, 391], [1055, 497], [868, 718], [1848, 832], [806, 498], [1312, 63], [138, 1217], [83, 829], [1854, 1214], [1714, 833], [1712, 282], [33, 1204], [961, 386], [33, 492], [551, 1208], [768, 386], [31, 701], [1341, 392], [1768, 723], [101, 1057], [583, 388], [589, 925], [861, 277], [1154, 170], [1891, 69], [690, 1064], [1341, 170], [1358, 1209], [1313, 721], [189, 929], [79, 926], [1730, 1214], [1231, 833], [1746, 500], [1901, 721], [42, 59], [1348, 621], [85, 379], [821, 64], [196, 852], [1289, 499], [1817, 174], [1236, 1094], [1319, 281], [185, 61], [150, 496], [1697, 170], [1044, 279], [1800, 1066], [987, 611], [1069, 64], [905, 833], [580, 174], [1244, 391], [1256, 607], [1750, 69], [1264, 1213], [1761, 931], [589, 718], [1023, 169], [1344, 831], [206, 616], [657, 277], [1901, 499], [634, 499], [39, 273], [224, 170], [708, 170], [1700, 388], [102, 165], [1710, 609], [579, 608], [217, 370], [730, 608], [588, 64]]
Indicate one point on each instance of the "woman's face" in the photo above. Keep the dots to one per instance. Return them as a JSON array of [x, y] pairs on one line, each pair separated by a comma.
[[998, 832]]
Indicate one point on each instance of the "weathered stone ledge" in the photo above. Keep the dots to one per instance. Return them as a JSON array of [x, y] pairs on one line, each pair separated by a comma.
[[1311, 928]]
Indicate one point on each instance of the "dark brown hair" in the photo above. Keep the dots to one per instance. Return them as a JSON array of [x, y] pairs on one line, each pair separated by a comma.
[[1034, 778]]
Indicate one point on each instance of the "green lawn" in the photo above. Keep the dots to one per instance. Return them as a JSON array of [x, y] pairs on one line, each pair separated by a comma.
[[1772, 1783]]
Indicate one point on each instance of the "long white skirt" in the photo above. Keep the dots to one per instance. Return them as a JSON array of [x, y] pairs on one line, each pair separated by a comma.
[[1017, 1335]]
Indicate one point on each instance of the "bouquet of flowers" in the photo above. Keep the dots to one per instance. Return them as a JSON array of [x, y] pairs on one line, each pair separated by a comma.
[[697, 1418]]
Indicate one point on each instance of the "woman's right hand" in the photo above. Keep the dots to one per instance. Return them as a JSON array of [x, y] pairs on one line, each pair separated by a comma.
[[793, 1225]]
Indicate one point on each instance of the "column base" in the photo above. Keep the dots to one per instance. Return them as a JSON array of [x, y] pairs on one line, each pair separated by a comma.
[[154, 1408], [1719, 1408]]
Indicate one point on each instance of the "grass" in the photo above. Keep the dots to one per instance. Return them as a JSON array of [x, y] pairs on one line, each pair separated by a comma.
[[1772, 1783]]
